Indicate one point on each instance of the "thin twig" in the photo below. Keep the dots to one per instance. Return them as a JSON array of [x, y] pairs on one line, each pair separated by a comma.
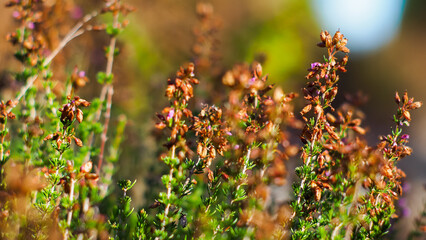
[[109, 91], [69, 217], [169, 193], [73, 33]]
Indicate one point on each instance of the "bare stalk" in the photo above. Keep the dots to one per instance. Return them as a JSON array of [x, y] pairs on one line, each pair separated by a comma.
[[73, 33], [169, 192], [109, 91], [69, 216]]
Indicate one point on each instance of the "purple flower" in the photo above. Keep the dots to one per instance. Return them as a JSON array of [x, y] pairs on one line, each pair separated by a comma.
[[31, 25], [405, 136], [82, 74], [405, 210], [228, 133], [171, 114], [315, 64], [236, 147], [16, 14], [251, 81], [406, 187], [76, 13]]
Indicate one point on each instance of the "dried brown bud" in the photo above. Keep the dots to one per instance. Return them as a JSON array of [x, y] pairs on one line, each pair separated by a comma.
[[191, 68], [228, 79], [92, 176], [82, 102], [331, 132], [397, 98], [415, 105], [407, 115], [201, 150], [69, 166], [160, 125], [405, 97], [318, 109], [48, 137], [330, 118], [210, 175], [258, 70], [345, 60], [328, 41], [156, 204], [344, 49], [170, 91], [337, 37], [79, 115], [323, 36], [78, 142], [306, 109], [359, 130], [212, 153], [58, 142], [86, 167]]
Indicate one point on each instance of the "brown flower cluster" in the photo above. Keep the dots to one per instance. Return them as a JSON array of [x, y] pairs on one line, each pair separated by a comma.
[[5, 110], [264, 118], [205, 46], [179, 91], [212, 133], [84, 176], [31, 41], [71, 110], [69, 113], [364, 180], [78, 79], [328, 70]]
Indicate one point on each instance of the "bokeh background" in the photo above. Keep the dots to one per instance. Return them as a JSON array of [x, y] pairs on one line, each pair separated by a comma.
[[388, 53]]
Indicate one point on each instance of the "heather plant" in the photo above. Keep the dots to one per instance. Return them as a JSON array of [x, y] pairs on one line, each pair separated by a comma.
[[51, 188], [221, 159]]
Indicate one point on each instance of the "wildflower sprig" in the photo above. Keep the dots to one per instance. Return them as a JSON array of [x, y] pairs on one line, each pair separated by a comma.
[[52, 140], [175, 118], [319, 94], [347, 188]]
